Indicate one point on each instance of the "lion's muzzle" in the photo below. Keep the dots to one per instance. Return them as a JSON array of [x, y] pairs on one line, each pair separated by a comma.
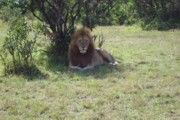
[[83, 50]]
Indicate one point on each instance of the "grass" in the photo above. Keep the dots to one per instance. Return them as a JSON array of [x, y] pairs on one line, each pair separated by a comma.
[[145, 85]]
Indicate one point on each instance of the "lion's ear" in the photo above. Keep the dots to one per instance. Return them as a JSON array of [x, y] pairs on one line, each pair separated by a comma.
[[74, 36]]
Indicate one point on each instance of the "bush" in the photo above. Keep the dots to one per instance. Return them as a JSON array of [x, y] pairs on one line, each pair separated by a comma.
[[18, 47], [122, 13], [161, 15]]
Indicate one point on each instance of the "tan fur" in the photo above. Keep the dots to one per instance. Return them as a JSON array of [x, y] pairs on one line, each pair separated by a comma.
[[80, 58]]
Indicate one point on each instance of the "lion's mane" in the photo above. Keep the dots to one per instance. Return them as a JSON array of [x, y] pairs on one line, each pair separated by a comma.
[[74, 55]]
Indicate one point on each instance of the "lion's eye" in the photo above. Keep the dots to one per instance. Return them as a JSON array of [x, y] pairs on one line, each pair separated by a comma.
[[83, 40]]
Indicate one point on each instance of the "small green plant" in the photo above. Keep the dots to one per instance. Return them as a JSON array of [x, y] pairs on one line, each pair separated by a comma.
[[18, 47], [100, 39]]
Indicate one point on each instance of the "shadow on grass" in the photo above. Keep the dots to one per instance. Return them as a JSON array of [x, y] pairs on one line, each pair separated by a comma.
[[59, 65], [101, 72], [30, 73]]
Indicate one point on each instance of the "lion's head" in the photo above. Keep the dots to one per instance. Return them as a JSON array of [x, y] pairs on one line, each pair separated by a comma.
[[82, 39], [81, 47]]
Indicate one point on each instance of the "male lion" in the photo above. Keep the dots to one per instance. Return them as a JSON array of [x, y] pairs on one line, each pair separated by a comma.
[[82, 53]]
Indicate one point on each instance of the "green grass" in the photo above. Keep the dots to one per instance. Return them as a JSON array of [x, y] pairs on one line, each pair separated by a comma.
[[145, 85]]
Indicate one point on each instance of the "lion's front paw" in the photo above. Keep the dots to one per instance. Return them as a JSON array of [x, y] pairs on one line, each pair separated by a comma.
[[82, 69]]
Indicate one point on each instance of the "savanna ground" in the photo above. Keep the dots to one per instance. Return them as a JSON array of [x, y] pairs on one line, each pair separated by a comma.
[[145, 85]]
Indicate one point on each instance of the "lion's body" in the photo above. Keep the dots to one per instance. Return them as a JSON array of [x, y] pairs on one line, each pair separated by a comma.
[[82, 53], [102, 57]]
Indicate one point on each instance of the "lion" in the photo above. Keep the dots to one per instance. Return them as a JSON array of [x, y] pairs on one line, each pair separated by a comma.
[[82, 53]]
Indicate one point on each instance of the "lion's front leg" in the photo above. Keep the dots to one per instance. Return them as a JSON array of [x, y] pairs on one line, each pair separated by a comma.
[[88, 67], [80, 68], [71, 66]]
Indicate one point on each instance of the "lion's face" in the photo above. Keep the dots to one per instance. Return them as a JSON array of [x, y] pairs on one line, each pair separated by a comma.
[[83, 44]]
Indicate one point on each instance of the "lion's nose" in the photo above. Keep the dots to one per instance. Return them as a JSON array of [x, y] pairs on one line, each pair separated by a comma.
[[83, 48]]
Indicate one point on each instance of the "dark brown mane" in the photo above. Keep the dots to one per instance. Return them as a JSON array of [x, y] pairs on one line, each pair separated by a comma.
[[74, 55]]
